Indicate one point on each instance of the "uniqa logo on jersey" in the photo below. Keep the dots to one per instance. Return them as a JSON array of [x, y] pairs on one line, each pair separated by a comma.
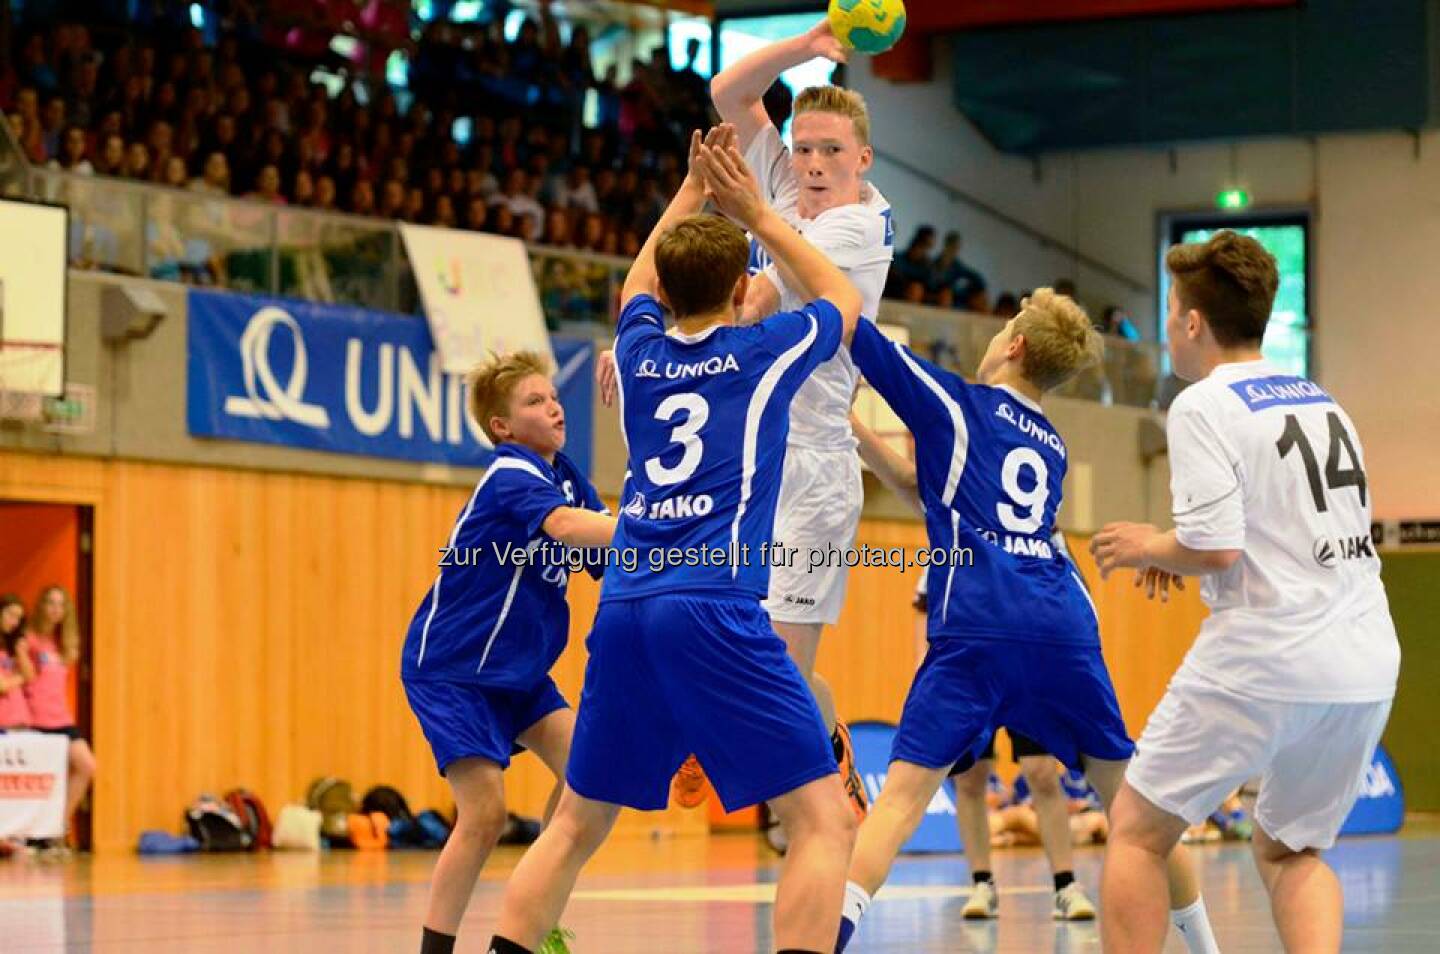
[[345, 380]]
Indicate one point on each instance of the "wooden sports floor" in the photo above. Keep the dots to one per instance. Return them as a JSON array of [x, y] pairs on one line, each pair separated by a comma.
[[641, 895]]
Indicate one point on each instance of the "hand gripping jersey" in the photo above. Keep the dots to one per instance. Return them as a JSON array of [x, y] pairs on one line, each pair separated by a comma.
[[990, 467], [1269, 464], [496, 615], [860, 240], [704, 419]]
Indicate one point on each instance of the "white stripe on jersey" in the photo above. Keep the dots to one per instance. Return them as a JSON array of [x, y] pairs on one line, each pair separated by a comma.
[[1086, 590], [620, 402], [950, 577], [758, 402], [499, 464], [505, 610], [957, 420]]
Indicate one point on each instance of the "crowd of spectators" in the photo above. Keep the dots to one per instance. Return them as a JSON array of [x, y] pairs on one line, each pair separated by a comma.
[[237, 113]]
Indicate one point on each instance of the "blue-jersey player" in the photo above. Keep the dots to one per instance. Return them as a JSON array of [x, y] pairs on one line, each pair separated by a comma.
[[1013, 636], [682, 656], [477, 656]]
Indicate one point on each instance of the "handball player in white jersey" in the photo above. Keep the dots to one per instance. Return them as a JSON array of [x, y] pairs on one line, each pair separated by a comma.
[[818, 186], [1293, 673]]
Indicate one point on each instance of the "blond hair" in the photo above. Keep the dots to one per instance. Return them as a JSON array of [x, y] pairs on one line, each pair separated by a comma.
[[493, 381], [699, 261], [1060, 342], [67, 632], [842, 102]]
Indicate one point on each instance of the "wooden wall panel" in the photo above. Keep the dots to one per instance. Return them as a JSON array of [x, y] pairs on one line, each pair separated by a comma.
[[248, 628]]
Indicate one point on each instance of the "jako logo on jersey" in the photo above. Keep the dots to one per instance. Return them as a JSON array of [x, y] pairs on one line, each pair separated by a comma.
[[1326, 551], [279, 403], [647, 369], [683, 505], [636, 507]]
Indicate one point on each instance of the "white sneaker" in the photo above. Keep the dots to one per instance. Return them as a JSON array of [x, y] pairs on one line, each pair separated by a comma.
[[1071, 904], [983, 902]]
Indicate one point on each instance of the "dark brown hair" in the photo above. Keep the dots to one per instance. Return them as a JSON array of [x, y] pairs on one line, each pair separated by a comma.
[[1231, 280], [699, 261], [13, 636]]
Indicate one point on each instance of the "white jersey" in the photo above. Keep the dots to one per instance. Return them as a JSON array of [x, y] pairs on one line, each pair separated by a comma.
[[860, 239], [1269, 464]]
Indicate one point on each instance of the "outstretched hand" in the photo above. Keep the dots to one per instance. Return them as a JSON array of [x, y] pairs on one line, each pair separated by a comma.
[[823, 42], [728, 181], [718, 137]]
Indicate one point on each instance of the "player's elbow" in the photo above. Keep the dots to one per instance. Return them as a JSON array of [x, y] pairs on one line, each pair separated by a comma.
[[724, 95], [1218, 561], [563, 524]]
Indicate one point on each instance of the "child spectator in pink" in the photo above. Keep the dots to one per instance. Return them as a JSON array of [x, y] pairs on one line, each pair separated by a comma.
[[15, 668], [53, 645]]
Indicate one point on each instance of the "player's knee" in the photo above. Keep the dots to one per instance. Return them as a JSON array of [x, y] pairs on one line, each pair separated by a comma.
[[972, 782], [481, 824], [1272, 851], [1044, 785], [82, 761]]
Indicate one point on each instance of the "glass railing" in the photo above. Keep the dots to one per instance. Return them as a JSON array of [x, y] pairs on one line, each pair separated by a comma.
[[203, 239]]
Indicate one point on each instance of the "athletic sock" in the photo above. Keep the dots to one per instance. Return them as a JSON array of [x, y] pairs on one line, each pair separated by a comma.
[[1194, 926], [857, 899], [1063, 880], [433, 942], [500, 945], [979, 876], [837, 743]]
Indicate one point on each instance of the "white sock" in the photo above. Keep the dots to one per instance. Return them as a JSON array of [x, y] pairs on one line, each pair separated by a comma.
[[857, 899], [1194, 926]]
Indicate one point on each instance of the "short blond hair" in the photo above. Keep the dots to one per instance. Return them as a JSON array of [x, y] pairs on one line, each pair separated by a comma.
[[493, 381], [1060, 341], [843, 102]]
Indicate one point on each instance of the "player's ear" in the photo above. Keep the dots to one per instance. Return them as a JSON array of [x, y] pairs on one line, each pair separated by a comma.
[[867, 158], [500, 427], [1015, 349], [661, 297], [737, 298]]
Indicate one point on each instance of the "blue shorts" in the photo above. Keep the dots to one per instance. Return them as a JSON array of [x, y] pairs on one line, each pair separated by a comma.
[[461, 720], [1058, 696], [672, 675]]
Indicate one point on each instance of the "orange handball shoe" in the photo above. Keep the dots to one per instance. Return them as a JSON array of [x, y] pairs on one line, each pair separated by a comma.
[[849, 775], [690, 787]]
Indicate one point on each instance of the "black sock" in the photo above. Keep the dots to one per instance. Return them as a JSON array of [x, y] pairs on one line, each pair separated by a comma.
[[500, 945], [979, 876], [1064, 879], [433, 942], [836, 743]]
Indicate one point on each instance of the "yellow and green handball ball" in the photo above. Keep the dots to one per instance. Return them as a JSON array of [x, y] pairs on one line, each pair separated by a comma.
[[869, 26]]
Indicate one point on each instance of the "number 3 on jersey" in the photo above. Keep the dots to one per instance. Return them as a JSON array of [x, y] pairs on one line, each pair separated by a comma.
[[686, 433]]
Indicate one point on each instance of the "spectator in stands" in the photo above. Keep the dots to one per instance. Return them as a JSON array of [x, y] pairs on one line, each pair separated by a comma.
[[1116, 321], [362, 198], [52, 125], [910, 274], [443, 214], [267, 185], [72, 153], [577, 191], [302, 189], [111, 158], [592, 232], [174, 173], [392, 199], [502, 221], [215, 176], [1007, 306], [414, 208], [953, 283], [53, 643], [159, 140], [516, 196], [137, 161], [15, 667], [325, 193], [558, 232]]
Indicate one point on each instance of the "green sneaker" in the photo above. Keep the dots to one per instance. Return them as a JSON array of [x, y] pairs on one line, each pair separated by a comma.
[[556, 942]]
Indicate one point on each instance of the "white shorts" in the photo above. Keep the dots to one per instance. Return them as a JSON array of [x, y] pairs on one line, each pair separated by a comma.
[[1203, 742], [821, 496]]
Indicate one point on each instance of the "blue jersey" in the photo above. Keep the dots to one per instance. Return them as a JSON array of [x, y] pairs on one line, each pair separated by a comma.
[[990, 466], [496, 614], [705, 419]]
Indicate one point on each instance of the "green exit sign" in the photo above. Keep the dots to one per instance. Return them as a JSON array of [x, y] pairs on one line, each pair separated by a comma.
[[1232, 199]]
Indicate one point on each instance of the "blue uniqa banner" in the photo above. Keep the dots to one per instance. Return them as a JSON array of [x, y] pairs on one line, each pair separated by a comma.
[[347, 380]]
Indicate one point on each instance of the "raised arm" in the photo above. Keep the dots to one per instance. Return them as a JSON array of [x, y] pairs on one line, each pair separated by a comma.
[[733, 187], [738, 91], [689, 200]]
